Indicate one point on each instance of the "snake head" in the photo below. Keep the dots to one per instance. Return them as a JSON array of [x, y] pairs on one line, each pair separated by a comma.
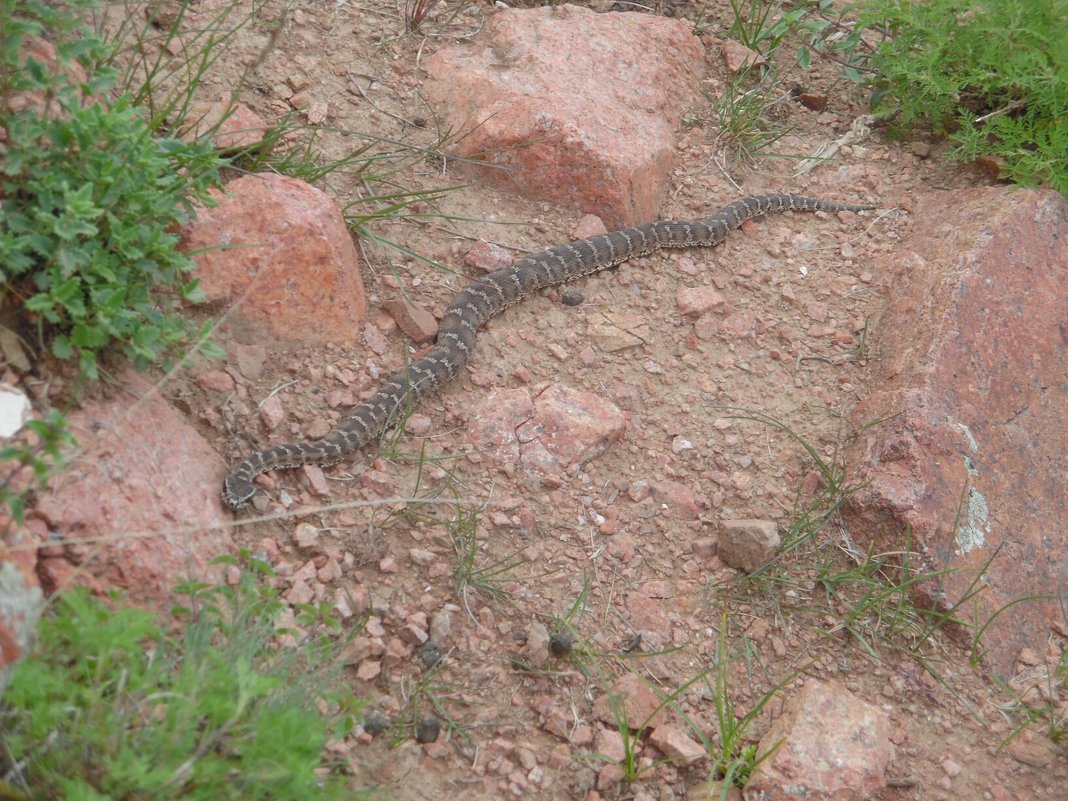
[[236, 491]]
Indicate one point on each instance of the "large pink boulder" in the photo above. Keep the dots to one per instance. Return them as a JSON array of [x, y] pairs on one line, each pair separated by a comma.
[[278, 250], [969, 466], [138, 507], [571, 106]]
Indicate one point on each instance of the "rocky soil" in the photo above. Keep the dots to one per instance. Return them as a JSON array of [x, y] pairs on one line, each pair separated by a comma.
[[680, 390]]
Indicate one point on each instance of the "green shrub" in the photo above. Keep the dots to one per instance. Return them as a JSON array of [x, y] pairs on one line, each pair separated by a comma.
[[110, 705], [991, 74], [92, 200]]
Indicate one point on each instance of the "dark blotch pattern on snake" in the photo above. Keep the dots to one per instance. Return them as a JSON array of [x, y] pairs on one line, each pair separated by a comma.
[[485, 297]]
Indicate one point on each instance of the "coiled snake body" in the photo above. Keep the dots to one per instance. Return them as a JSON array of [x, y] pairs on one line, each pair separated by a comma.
[[487, 296]]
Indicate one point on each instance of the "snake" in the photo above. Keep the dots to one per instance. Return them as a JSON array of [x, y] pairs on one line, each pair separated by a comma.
[[488, 296]]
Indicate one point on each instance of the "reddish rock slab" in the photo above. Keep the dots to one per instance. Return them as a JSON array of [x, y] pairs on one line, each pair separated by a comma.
[[969, 467], [278, 249], [492, 426], [139, 507], [568, 427], [832, 745], [677, 745], [558, 428], [571, 106]]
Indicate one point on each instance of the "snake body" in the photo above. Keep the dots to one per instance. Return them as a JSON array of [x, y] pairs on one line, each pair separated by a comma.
[[488, 296]]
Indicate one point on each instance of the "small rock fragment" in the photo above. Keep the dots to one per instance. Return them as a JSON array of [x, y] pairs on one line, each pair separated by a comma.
[[216, 380], [305, 535], [417, 323], [747, 544], [609, 744], [11, 346], [488, 257], [271, 412], [1032, 749], [589, 225], [571, 297], [536, 650], [440, 627], [368, 670], [676, 745], [737, 57], [631, 701], [15, 410], [696, 300], [920, 149], [994, 166], [250, 360], [816, 101]]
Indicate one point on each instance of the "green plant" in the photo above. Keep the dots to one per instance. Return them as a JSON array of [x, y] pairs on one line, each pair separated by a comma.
[[734, 759], [468, 574], [761, 25], [92, 200], [415, 13], [112, 704], [165, 86], [832, 32], [743, 115], [991, 75]]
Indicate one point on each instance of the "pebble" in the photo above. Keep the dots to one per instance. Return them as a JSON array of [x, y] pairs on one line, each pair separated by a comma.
[[271, 412], [305, 535], [440, 626], [561, 644], [427, 730], [376, 722], [536, 650]]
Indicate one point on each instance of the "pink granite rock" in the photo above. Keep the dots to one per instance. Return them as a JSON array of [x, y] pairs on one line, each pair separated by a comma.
[[139, 507], [832, 745], [747, 544], [491, 428], [279, 250], [970, 463], [558, 428], [571, 106], [568, 427], [677, 745]]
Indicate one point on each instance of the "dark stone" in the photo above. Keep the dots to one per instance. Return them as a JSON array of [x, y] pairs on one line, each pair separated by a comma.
[[427, 729], [571, 297], [430, 655], [376, 722], [561, 643]]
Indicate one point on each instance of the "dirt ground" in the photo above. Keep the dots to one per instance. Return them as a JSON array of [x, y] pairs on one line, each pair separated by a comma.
[[805, 287]]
